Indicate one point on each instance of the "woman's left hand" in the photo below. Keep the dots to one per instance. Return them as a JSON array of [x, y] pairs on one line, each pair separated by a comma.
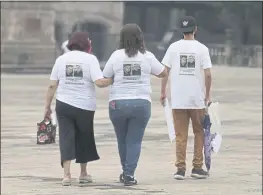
[[48, 112]]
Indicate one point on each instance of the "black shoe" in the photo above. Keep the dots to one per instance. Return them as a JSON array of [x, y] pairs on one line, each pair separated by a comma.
[[121, 179], [179, 175], [199, 174], [129, 180]]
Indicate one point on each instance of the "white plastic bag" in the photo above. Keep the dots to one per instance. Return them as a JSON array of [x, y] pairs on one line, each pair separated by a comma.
[[216, 142], [214, 113], [169, 120]]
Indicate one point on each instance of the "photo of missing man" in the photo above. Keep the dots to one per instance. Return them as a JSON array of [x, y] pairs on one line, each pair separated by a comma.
[[136, 70], [127, 70], [191, 61], [69, 70], [183, 61], [78, 72]]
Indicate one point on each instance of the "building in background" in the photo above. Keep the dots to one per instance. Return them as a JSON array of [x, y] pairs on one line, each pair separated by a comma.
[[32, 32], [102, 20], [232, 30], [214, 19]]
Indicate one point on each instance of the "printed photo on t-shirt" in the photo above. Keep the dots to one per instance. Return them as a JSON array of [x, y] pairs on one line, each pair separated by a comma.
[[131, 71], [187, 64], [74, 74], [127, 70], [183, 61], [69, 70], [136, 70], [74, 71], [191, 61], [78, 72]]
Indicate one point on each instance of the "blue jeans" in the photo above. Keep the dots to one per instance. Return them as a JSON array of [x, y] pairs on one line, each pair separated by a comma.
[[129, 118]]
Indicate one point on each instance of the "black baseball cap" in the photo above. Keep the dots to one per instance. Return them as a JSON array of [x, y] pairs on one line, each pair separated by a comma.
[[187, 24]]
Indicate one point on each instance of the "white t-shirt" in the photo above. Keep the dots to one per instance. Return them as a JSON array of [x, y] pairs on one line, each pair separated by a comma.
[[76, 72], [187, 60], [132, 76], [64, 46]]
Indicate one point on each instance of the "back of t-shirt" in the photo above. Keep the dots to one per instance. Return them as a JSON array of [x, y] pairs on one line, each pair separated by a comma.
[[187, 60], [131, 74], [76, 72]]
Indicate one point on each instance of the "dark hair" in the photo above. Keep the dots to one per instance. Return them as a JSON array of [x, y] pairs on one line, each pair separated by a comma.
[[79, 41], [188, 33], [75, 47], [131, 40]]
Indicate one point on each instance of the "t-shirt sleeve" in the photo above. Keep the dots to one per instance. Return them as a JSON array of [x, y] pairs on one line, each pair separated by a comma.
[[108, 68], [167, 58], [95, 71], [54, 73], [156, 67], [206, 60]]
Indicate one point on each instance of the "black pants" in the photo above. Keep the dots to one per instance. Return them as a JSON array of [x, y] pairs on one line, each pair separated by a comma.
[[76, 135]]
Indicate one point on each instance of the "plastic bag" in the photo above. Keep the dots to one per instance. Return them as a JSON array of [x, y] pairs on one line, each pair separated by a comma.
[[169, 120], [214, 113]]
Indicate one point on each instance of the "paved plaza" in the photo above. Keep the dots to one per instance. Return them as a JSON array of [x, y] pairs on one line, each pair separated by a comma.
[[30, 169]]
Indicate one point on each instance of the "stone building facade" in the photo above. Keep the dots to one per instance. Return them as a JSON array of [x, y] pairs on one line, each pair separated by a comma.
[[32, 32]]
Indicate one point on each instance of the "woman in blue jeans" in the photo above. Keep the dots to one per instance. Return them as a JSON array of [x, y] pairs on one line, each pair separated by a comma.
[[131, 66]]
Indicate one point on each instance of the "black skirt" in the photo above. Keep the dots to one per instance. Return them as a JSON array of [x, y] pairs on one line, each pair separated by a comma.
[[76, 134]]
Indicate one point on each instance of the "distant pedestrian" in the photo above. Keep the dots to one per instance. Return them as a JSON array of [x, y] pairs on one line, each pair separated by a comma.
[[64, 46], [74, 77], [189, 63], [131, 66]]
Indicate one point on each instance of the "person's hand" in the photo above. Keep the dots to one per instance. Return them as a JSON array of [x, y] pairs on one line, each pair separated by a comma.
[[48, 112], [111, 81], [162, 98], [207, 101]]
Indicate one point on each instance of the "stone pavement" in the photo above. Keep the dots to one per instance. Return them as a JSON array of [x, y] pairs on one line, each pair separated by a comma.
[[30, 169]]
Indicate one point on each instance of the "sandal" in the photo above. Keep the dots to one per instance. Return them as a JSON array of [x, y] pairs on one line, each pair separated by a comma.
[[66, 182], [85, 179]]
